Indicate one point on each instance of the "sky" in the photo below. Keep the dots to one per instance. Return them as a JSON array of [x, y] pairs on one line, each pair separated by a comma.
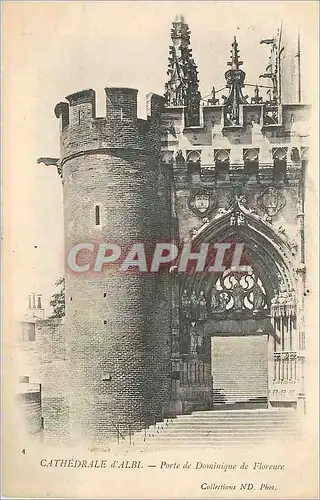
[[56, 48]]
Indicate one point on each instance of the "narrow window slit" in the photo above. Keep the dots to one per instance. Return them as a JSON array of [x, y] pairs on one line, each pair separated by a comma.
[[97, 214]]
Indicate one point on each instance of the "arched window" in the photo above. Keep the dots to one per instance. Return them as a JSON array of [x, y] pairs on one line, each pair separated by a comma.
[[279, 164], [193, 162], [222, 162], [251, 161]]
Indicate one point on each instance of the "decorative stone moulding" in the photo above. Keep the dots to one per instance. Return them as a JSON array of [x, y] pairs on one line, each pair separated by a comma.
[[304, 153], [180, 158], [272, 116], [279, 154], [202, 202], [167, 157], [194, 156], [251, 155], [222, 155], [283, 304], [271, 201], [237, 219]]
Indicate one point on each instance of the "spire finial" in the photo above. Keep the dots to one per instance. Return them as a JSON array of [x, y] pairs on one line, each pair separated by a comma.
[[179, 18], [235, 81], [235, 62], [182, 89]]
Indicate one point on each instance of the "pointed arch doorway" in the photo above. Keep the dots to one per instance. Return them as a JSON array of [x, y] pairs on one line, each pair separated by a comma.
[[233, 325], [239, 329], [227, 335]]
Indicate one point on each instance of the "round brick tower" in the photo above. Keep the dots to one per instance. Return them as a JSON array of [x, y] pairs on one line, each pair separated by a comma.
[[117, 324]]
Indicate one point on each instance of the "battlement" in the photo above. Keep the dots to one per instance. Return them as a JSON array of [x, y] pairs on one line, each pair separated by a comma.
[[82, 105], [121, 103], [82, 130]]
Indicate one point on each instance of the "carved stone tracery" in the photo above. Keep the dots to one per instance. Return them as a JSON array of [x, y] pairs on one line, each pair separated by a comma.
[[265, 291], [233, 292], [271, 201]]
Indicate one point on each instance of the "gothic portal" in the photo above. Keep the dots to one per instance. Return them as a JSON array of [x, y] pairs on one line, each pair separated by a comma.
[[238, 171], [222, 168]]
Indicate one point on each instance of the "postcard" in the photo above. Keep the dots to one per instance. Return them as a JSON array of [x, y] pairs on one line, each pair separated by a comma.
[[160, 249]]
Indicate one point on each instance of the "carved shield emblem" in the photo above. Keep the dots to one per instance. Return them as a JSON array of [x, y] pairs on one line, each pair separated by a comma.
[[271, 201], [202, 202]]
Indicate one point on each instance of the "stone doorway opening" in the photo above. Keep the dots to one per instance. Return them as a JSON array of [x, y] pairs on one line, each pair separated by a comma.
[[239, 370], [235, 333]]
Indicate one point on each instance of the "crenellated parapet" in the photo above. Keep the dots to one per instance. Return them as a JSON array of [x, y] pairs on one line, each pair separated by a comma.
[[82, 131], [115, 190], [286, 123]]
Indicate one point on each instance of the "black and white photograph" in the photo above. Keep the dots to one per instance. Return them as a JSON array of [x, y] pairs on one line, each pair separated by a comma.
[[160, 249]]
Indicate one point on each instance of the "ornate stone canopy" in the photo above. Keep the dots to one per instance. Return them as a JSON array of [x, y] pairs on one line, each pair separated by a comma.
[[182, 88], [270, 252]]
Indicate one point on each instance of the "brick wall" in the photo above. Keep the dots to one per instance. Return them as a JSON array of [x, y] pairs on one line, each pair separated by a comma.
[[117, 326], [51, 353]]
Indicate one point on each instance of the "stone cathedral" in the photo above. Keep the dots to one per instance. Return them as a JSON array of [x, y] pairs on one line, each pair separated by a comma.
[[227, 167]]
